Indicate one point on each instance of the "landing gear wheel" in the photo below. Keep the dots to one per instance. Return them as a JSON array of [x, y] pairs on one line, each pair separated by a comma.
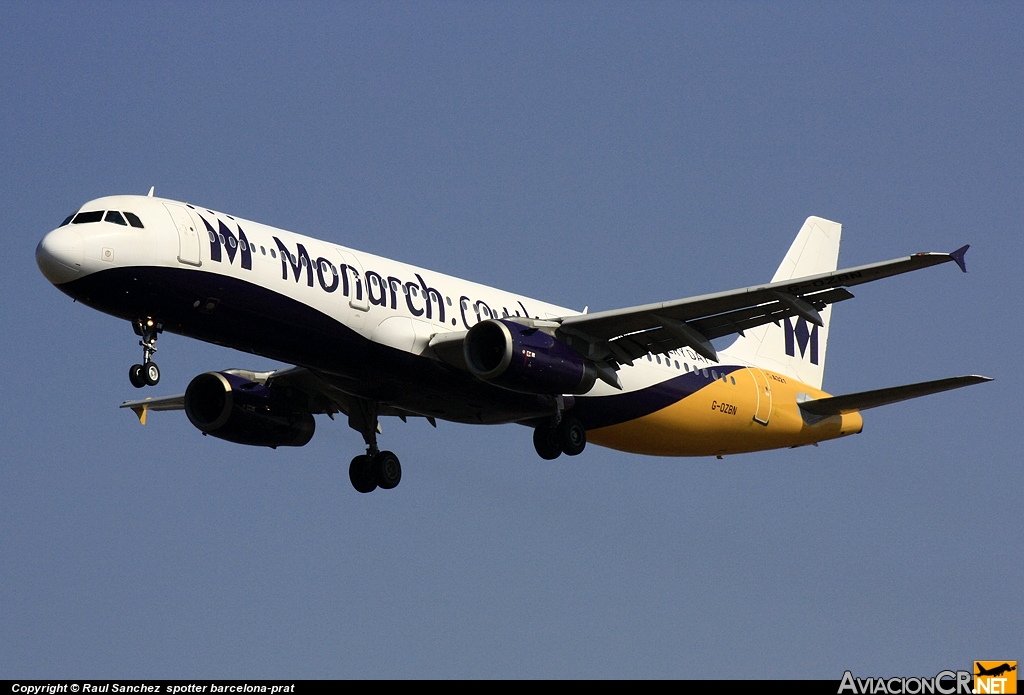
[[545, 441], [572, 436], [360, 474], [135, 376], [387, 470], [151, 373]]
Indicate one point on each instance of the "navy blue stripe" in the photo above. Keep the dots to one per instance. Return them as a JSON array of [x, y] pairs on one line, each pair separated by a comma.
[[254, 319]]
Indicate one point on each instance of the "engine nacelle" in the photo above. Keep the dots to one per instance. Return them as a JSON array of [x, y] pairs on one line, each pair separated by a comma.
[[226, 406], [520, 358]]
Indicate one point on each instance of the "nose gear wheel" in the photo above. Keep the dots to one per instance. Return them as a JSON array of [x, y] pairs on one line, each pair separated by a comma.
[[147, 373]]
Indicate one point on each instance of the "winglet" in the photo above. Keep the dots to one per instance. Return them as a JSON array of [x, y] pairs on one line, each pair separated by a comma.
[[958, 256], [141, 411]]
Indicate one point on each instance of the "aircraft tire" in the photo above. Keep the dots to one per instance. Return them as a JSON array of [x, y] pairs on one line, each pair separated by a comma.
[[387, 470], [545, 441], [360, 475], [135, 376], [572, 436], [151, 373]]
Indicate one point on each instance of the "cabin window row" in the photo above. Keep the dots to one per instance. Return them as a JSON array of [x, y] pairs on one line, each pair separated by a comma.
[[668, 362]]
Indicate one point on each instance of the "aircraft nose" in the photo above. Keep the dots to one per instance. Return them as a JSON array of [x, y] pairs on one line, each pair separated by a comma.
[[60, 255]]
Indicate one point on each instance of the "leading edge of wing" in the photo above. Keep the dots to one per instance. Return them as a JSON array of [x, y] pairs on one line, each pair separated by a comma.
[[837, 405], [608, 325]]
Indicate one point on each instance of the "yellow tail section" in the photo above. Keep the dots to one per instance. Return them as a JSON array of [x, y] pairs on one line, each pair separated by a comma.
[[747, 410]]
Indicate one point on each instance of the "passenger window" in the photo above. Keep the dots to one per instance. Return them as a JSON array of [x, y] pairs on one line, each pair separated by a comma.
[[231, 243], [686, 366], [273, 253], [134, 220], [263, 250], [733, 380], [658, 358], [213, 237], [87, 217], [677, 364]]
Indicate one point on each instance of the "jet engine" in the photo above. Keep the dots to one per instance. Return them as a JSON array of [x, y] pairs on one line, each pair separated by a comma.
[[525, 359], [226, 406]]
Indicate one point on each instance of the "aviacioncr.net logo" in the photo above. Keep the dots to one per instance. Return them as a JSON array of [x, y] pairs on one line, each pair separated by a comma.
[[943, 683]]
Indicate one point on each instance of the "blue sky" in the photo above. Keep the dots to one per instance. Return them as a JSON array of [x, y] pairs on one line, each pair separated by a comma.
[[584, 153]]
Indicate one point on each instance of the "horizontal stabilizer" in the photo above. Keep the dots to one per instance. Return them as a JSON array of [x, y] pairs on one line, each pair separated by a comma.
[[837, 405]]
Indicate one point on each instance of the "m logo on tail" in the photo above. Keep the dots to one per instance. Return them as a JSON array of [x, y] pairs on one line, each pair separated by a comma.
[[801, 337]]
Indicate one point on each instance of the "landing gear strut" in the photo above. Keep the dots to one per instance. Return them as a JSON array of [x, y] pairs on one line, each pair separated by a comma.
[[375, 468], [147, 373]]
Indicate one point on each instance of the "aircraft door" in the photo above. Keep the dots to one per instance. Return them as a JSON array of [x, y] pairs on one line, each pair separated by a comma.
[[764, 395], [188, 235], [358, 296]]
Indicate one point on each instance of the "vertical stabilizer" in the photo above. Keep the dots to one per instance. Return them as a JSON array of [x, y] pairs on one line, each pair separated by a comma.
[[796, 348]]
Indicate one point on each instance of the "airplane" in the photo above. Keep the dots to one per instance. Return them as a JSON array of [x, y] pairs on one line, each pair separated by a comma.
[[370, 337], [995, 671]]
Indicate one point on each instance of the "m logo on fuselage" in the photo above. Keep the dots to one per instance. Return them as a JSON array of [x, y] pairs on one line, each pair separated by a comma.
[[802, 337], [231, 244]]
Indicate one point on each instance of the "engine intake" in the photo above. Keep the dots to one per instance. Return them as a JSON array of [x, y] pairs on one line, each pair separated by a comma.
[[520, 358], [226, 406]]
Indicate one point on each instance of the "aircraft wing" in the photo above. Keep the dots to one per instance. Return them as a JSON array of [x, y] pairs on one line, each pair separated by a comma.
[[142, 407], [311, 391], [623, 335], [837, 405]]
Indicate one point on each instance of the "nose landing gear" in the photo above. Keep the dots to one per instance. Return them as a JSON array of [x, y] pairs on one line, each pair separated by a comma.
[[147, 373]]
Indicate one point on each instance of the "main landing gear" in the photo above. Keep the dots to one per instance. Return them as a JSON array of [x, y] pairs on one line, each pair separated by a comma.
[[567, 436], [374, 469], [147, 373]]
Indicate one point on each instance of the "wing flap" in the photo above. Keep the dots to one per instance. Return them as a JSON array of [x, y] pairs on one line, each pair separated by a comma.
[[837, 405]]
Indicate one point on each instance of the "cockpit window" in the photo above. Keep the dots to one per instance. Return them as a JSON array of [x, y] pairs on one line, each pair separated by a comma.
[[134, 220], [86, 217], [67, 219], [115, 217]]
